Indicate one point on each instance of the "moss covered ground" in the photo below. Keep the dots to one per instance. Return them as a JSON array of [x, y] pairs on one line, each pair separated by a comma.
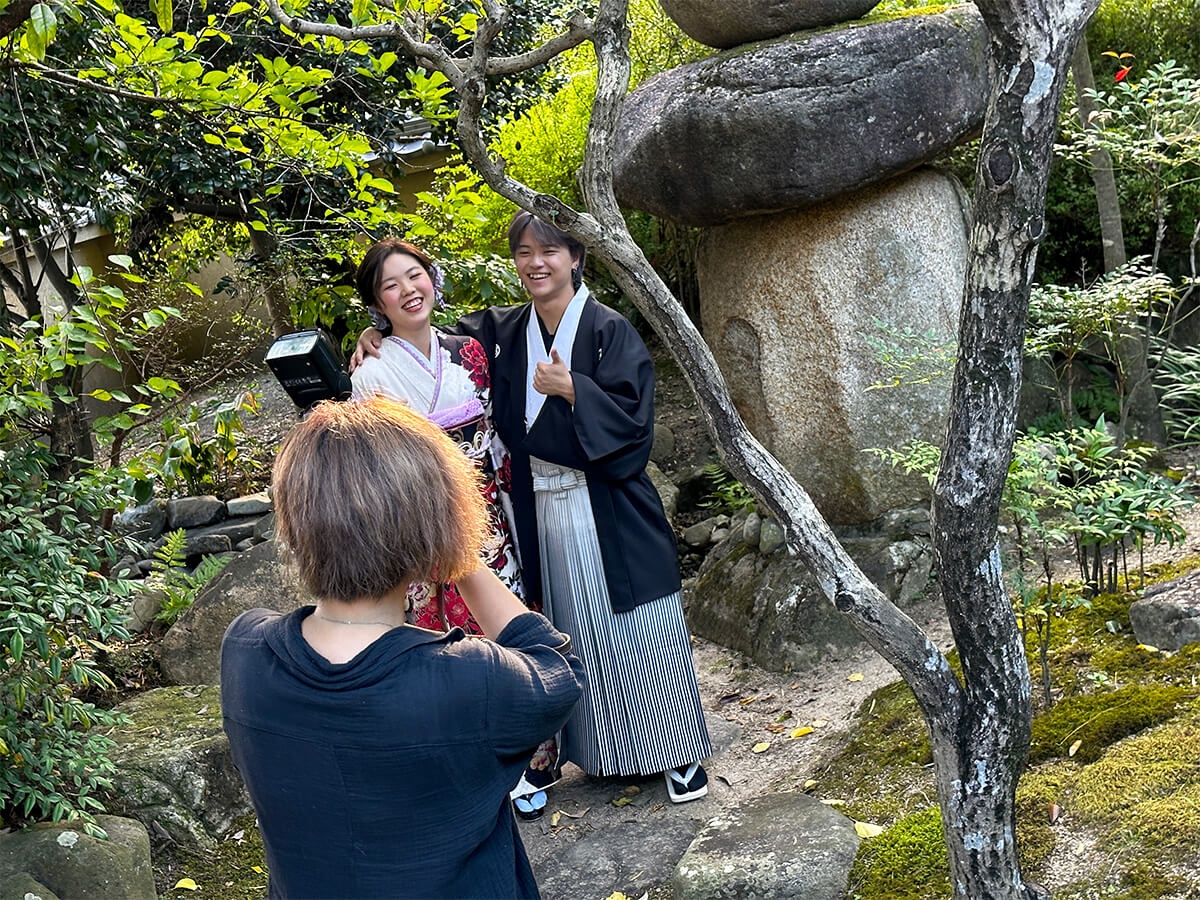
[[235, 870], [1114, 769]]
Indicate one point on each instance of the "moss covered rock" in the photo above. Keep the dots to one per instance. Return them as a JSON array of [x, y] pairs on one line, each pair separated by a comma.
[[175, 772]]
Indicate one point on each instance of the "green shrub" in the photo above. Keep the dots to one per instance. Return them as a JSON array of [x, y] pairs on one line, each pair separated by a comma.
[[58, 610]]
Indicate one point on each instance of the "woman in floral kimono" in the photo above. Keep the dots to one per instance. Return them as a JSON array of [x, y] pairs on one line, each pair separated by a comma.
[[446, 378]]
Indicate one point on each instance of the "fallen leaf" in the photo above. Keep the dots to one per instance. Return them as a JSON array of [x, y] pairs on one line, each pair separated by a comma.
[[727, 782], [258, 869], [760, 747], [1148, 648], [617, 895], [820, 723], [834, 802], [857, 676], [1055, 813], [801, 732], [622, 801], [202, 710], [631, 791], [784, 716], [812, 782], [793, 685], [774, 729], [187, 884], [1074, 748], [578, 815], [749, 700], [238, 835], [868, 830], [554, 819], [729, 698]]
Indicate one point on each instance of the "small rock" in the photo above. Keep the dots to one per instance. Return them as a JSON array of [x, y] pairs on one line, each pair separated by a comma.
[[207, 544], [250, 505], [244, 545], [771, 537], [667, 492], [264, 528], [189, 512], [752, 529], [700, 534], [145, 522], [1168, 616], [719, 534], [126, 567], [60, 860], [664, 443], [144, 605]]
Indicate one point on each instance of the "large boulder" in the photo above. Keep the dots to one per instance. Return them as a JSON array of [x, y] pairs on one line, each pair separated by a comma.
[[788, 302], [790, 123], [727, 23], [174, 771], [190, 652], [777, 847], [63, 861], [1168, 615], [770, 607]]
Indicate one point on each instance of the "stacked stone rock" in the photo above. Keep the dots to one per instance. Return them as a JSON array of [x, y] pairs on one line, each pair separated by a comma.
[[800, 153], [212, 526]]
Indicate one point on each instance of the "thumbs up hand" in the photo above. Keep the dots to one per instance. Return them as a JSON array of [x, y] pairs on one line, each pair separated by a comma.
[[554, 379]]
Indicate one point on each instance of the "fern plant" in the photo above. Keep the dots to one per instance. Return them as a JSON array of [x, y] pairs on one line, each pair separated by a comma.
[[726, 494], [170, 576]]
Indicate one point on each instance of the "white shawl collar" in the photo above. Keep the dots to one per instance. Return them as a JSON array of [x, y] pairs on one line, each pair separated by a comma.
[[535, 349]]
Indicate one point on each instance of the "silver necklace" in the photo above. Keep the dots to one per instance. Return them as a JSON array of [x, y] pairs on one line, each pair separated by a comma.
[[321, 615]]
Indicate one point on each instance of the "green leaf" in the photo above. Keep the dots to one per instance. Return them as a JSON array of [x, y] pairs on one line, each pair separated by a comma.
[[16, 646], [40, 30], [164, 13], [239, 8]]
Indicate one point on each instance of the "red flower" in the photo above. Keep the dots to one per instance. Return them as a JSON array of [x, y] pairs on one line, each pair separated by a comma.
[[474, 360]]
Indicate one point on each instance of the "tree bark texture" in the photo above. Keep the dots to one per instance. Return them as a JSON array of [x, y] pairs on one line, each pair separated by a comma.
[[978, 766], [979, 727]]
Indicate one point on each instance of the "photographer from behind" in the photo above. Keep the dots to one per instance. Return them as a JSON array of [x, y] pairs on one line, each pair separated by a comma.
[[378, 755]]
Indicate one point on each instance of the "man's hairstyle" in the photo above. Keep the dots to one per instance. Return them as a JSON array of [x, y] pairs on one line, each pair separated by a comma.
[[367, 277], [372, 496], [543, 233]]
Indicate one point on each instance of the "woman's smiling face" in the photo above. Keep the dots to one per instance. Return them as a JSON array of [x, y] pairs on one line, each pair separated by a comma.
[[405, 294]]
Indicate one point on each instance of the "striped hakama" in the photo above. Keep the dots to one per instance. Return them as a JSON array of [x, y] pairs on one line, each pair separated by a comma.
[[640, 712]]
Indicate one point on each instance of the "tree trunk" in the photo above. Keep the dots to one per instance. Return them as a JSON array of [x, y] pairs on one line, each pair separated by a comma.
[[978, 759], [1139, 403], [265, 244], [1112, 238]]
